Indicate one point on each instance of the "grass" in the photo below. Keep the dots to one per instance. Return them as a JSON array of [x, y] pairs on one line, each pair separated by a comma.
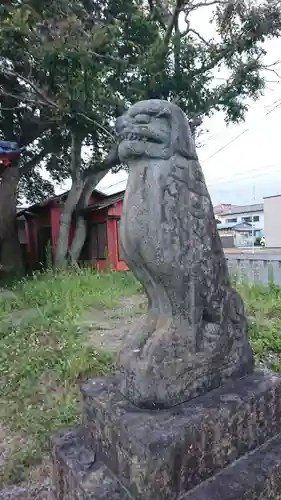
[[43, 359], [263, 306]]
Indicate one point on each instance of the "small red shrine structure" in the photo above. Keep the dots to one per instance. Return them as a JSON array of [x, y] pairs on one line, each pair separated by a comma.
[[101, 248]]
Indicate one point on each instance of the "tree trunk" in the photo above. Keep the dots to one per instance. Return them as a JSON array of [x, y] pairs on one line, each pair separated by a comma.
[[61, 254], [78, 197], [11, 255], [81, 225]]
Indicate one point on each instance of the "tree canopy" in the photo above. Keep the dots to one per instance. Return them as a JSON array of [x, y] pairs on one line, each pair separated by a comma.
[[80, 62], [68, 68]]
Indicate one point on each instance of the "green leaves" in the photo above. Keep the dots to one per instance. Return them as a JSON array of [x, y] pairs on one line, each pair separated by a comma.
[[90, 58]]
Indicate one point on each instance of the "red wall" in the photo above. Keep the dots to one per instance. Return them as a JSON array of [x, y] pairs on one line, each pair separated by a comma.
[[33, 224], [112, 233], [116, 210], [110, 216], [95, 217], [55, 222], [50, 216], [31, 242]]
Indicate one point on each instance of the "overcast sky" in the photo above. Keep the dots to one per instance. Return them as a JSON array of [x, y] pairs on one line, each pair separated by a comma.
[[250, 167]]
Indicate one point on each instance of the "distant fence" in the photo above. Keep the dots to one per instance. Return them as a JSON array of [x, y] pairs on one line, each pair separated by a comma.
[[255, 268]]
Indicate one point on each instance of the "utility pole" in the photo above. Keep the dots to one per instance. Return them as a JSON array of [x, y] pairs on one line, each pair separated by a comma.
[[253, 228]]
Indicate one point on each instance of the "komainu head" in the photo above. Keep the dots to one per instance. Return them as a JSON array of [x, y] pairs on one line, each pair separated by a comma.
[[154, 129]]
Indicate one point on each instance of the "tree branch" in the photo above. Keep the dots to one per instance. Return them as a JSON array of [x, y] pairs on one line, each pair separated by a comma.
[[272, 70], [89, 187], [191, 30], [104, 56], [33, 162], [177, 50], [163, 12], [97, 124], [112, 158], [76, 147], [206, 4], [221, 54], [173, 20], [161, 17], [21, 98], [110, 161], [39, 92], [13, 108], [36, 131]]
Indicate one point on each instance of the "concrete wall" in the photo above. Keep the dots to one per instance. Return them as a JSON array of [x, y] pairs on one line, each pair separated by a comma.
[[255, 268], [272, 221]]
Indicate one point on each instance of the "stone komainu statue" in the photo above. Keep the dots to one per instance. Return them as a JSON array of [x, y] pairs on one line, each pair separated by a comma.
[[193, 337]]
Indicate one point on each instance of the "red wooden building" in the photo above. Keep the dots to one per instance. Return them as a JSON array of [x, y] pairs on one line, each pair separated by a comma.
[[101, 248]]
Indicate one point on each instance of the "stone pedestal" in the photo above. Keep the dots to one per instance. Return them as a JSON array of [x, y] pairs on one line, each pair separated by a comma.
[[223, 445], [188, 418]]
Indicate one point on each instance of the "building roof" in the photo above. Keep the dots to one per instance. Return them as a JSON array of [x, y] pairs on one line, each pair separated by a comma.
[[8, 147], [54, 199], [272, 196], [107, 202], [222, 207], [242, 226], [243, 209]]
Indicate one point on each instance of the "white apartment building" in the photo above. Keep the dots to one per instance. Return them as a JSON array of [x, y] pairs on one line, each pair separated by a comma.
[[251, 214], [272, 221]]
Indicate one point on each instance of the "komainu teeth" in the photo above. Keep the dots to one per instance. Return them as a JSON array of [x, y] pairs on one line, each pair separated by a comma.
[[133, 137]]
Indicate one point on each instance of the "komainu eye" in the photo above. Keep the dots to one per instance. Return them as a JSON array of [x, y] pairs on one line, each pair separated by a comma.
[[162, 114], [142, 118]]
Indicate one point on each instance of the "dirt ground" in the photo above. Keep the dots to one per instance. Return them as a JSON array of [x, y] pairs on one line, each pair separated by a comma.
[[38, 486], [105, 329]]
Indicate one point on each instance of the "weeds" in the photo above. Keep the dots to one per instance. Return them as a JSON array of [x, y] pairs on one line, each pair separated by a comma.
[[42, 362], [263, 306], [43, 359]]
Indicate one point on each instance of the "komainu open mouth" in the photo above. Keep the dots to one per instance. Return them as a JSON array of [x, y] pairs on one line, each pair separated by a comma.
[[140, 137], [133, 137]]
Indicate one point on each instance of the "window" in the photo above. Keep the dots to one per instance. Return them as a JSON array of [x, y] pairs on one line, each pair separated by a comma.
[[120, 255], [256, 218], [98, 241], [231, 220], [247, 219]]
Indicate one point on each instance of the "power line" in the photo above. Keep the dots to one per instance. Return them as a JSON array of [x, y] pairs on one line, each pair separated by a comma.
[[224, 180], [246, 178], [253, 172], [115, 184], [267, 107], [241, 133], [225, 145]]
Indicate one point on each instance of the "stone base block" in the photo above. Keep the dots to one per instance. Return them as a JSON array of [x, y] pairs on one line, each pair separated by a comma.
[[257, 476], [161, 455], [78, 474]]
